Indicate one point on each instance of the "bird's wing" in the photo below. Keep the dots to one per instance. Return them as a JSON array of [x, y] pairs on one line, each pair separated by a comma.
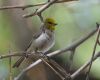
[[35, 36]]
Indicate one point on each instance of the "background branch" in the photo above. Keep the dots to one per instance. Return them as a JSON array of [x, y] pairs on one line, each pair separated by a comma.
[[41, 9], [94, 49], [14, 54], [76, 73], [53, 69], [28, 6], [10, 67], [20, 6]]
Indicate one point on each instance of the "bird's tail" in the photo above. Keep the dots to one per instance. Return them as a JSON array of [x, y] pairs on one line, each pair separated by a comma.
[[18, 62]]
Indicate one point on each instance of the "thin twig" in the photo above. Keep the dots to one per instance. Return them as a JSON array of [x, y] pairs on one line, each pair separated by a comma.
[[53, 69], [10, 55], [21, 6], [94, 49], [14, 54], [28, 6], [45, 6], [63, 1], [76, 73], [10, 67], [60, 69], [41, 9]]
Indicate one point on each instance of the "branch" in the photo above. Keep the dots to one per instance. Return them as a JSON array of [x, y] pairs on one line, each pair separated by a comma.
[[76, 73], [14, 54], [28, 6], [53, 69], [41, 9], [20, 6], [72, 46], [10, 67], [94, 50], [44, 7]]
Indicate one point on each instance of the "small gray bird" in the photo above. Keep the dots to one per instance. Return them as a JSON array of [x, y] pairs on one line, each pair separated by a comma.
[[42, 41]]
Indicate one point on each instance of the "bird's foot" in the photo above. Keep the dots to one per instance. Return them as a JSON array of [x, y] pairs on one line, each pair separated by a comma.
[[26, 55], [42, 55]]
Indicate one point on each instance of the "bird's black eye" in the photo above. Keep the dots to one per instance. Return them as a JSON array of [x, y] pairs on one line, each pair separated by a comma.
[[50, 22]]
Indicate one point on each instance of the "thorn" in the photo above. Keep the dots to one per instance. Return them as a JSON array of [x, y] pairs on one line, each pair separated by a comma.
[[40, 16]]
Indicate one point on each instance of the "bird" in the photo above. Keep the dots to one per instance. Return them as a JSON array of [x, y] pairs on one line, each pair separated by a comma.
[[42, 41]]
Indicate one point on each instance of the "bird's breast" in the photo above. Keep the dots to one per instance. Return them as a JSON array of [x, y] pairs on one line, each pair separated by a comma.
[[44, 42]]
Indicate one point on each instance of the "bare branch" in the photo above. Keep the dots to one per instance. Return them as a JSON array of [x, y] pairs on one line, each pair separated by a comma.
[[94, 49], [76, 73], [60, 69], [63, 1], [53, 69], [20, 6], [28, 68], [28, 6], [45, 6], [10, 55], [41, 9], [10, 67], [14, 54]]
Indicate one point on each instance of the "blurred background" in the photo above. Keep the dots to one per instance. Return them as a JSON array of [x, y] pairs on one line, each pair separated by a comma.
[[75, 19]]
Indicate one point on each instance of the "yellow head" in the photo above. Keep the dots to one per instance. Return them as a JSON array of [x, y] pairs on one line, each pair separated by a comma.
[[50, 23]]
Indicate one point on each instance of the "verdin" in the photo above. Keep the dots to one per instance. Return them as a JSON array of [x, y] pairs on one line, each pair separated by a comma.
[[42, 41]]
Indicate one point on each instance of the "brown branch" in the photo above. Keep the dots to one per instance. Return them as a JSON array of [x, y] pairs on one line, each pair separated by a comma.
[[14, 54], [10, 55], [44, 7], [21, 6], [53, 69], [38, 12], [63, 1], [10, 67], [94, 49], [28, 6], [41, 9], [59, 68]]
